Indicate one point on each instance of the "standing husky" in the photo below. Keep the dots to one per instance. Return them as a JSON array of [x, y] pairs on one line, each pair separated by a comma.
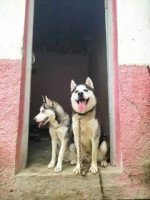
[[59, 123], [83, 103]]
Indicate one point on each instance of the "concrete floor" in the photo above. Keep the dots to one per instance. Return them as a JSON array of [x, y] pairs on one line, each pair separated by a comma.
[[63, 185], [39, 152], [37, 182]]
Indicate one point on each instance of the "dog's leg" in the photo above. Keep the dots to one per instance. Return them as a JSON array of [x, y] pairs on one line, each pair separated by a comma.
[[93, 167], [54, 148], [72, 153], [58, 167], [102, 153], [76, 170]]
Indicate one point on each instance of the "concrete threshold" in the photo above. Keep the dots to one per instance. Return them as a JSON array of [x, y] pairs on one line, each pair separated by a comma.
[[37, 182], [42, 170]]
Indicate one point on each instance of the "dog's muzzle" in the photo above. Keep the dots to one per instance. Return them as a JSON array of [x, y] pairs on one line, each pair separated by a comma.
[[41, 123], [80, 94]]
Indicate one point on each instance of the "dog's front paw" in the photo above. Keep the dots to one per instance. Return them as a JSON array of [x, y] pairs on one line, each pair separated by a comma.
[[77, 170], [58, 169], [104, 163], [93, 169], [51, 165]]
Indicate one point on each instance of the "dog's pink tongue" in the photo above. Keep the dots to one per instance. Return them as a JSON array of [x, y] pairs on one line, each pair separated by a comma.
[[81, 106], [39, 125]]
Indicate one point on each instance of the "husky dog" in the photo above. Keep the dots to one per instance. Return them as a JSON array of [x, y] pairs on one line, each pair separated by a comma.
[[83, 103], [59, 125]]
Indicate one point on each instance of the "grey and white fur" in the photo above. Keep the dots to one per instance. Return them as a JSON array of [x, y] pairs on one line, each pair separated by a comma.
[[59, 124], [83, 103]]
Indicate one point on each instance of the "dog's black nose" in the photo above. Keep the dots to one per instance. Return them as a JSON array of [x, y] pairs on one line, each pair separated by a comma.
[[80, 94]]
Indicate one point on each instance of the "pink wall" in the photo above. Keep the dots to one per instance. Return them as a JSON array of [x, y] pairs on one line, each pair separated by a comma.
[[134, 105], [132, 118], [10, 76], [12, 80], [134, 109]]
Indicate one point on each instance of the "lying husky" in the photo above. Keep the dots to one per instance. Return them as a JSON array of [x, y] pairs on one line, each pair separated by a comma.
[[83, 103], [59, 123]]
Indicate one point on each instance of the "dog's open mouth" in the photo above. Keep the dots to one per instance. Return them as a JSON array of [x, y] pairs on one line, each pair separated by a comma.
[[82, 104], [42, 122]]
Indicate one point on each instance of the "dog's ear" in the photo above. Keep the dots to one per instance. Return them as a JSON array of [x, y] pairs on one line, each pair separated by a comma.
[[48, 101], [73, 85], [89, 82], [44, 101]]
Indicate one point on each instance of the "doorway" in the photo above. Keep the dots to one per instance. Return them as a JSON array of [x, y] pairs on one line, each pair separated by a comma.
[[69, 42]]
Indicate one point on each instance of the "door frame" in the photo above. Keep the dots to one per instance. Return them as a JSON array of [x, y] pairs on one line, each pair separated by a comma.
[[112, 70], [24, 110], [113, 81]]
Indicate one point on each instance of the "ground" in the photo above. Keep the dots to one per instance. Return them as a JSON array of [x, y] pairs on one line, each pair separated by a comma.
[[37, 182]]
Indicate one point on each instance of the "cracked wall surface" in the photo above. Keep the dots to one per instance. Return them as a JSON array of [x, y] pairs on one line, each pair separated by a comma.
[[134, 84]]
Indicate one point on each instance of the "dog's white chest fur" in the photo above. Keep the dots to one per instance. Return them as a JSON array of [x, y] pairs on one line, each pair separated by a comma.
[[59, 133], [88, 128]]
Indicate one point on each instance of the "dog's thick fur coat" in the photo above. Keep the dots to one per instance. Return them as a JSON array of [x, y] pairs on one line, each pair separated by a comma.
[[59, 125], [84, 103]]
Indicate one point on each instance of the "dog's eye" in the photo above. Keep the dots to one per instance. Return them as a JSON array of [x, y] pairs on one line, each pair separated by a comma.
[[43, 111], [76, 91], [85, 90]]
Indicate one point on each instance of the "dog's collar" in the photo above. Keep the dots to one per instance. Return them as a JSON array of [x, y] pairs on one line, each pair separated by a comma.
[[83, 114]]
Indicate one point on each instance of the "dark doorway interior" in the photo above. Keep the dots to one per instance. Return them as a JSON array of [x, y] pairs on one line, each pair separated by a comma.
[[69, 42]]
